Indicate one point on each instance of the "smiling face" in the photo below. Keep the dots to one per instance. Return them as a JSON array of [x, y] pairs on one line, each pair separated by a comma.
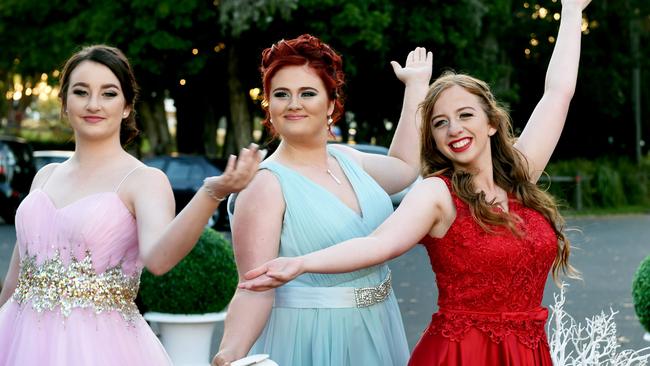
[[298, 103], [461, 128], [94, 103]]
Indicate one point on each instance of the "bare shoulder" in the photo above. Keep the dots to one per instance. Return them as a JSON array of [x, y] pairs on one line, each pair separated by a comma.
[[435, 184], [353, 153], [442, 199], [437, 189], [146, 176], [146, 185], [263, 190], [149, 174], [43, 174]]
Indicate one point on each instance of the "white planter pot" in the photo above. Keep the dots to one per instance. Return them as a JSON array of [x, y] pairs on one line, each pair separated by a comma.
[[646, 337], [186, 338]]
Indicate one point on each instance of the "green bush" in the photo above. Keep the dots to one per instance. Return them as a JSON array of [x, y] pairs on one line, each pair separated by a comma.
[[609, 186], [203, 282], [565, 192], [641, 293], [607, 182]]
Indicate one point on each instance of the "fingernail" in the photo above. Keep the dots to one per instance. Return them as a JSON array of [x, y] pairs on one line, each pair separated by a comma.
[[263, 153]]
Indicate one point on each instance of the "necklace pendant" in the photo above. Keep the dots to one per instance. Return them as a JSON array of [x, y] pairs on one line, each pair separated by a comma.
[[333, 177]]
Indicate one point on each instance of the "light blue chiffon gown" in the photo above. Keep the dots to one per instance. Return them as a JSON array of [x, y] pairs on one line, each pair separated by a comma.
[[311, 324]]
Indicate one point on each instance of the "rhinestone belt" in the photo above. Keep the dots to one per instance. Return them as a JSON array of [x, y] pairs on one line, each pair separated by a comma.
[[52, 284], [305, 297], [368, 296]]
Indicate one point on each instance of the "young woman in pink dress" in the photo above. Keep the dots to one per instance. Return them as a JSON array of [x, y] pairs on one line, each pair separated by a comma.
[[491, 234], [89, 226]]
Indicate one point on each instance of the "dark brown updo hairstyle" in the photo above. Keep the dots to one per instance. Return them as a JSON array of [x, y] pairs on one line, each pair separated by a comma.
[[304, 50], [115, 60]]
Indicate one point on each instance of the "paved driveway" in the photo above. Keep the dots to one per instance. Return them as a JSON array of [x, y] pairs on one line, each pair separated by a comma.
[[608, 251]]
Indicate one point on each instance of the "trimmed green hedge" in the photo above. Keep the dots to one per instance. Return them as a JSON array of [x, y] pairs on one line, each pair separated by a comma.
[[606, 183], [203, 282], [641, 293]]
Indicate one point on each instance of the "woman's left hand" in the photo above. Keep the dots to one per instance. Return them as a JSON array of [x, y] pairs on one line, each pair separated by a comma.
[[417, 68], [239, 172]]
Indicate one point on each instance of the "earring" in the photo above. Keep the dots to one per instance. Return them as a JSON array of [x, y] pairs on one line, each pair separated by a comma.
[[124, 115], [329, 121]]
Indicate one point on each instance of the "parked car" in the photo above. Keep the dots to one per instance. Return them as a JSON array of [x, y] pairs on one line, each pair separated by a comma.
[[186, 174], [17, 171], [382, 150], [44, 157]]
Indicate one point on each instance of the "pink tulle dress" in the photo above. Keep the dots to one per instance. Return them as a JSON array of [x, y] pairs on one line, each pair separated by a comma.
[[79, 275]]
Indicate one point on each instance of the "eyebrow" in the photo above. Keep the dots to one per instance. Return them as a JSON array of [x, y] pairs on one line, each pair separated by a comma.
[[457, 110], [299, 89], [104, 86]]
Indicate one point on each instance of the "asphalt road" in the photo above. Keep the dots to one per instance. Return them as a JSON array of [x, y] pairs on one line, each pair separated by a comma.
[[607, 251]]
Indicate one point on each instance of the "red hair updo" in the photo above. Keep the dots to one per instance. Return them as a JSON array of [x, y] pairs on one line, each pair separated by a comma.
[[304, 50]]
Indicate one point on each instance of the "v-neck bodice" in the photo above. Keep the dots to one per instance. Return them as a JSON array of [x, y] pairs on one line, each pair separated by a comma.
[[315, 218], [317, 187]]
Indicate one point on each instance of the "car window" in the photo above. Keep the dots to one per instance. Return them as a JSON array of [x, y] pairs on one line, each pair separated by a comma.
[[198, 172], [22, 152], [42, 161], [156, 163], [178, 170]]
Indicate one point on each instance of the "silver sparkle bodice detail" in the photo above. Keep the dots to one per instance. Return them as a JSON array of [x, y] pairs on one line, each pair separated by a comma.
[[52, 285]]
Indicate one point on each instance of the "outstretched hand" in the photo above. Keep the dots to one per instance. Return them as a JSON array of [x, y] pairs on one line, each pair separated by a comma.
[[272, 274], [418, 66], [239, 172]]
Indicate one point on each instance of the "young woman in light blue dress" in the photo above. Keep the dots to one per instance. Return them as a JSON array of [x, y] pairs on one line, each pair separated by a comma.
[[309, 195]]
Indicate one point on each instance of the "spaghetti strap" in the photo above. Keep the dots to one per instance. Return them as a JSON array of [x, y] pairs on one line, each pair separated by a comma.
[[126, 176]]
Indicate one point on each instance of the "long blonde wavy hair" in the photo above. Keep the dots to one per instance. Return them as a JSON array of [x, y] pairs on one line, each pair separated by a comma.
[[510, 169]]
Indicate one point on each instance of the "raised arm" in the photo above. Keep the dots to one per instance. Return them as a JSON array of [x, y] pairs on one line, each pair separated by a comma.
[[542, 132], [402, 166], [256, 228], [165, 240], [427, 208]]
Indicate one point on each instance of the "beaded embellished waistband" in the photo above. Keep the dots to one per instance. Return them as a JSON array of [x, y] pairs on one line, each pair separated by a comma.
[[368, 296], [332, 297], [77, 285]]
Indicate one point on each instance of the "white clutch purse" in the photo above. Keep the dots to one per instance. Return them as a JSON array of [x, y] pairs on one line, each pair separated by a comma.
[[254, 360]]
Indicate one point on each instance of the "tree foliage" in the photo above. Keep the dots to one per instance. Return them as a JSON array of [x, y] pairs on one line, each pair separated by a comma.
[[505, 42]]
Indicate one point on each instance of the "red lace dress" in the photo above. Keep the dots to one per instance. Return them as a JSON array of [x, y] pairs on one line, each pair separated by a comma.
[[490, 292]]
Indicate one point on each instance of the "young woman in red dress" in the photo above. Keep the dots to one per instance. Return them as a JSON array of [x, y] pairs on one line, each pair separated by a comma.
[[491, 234]]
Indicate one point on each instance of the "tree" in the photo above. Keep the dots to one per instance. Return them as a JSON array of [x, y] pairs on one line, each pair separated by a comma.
[[158, 37], [239, 19]]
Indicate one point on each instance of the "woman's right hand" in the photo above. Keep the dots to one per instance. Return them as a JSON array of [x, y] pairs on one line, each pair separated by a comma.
[[272, 274], [221, 359]]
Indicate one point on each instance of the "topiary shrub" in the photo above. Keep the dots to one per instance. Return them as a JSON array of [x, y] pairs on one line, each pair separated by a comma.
[[641, 293], [202, 282]]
